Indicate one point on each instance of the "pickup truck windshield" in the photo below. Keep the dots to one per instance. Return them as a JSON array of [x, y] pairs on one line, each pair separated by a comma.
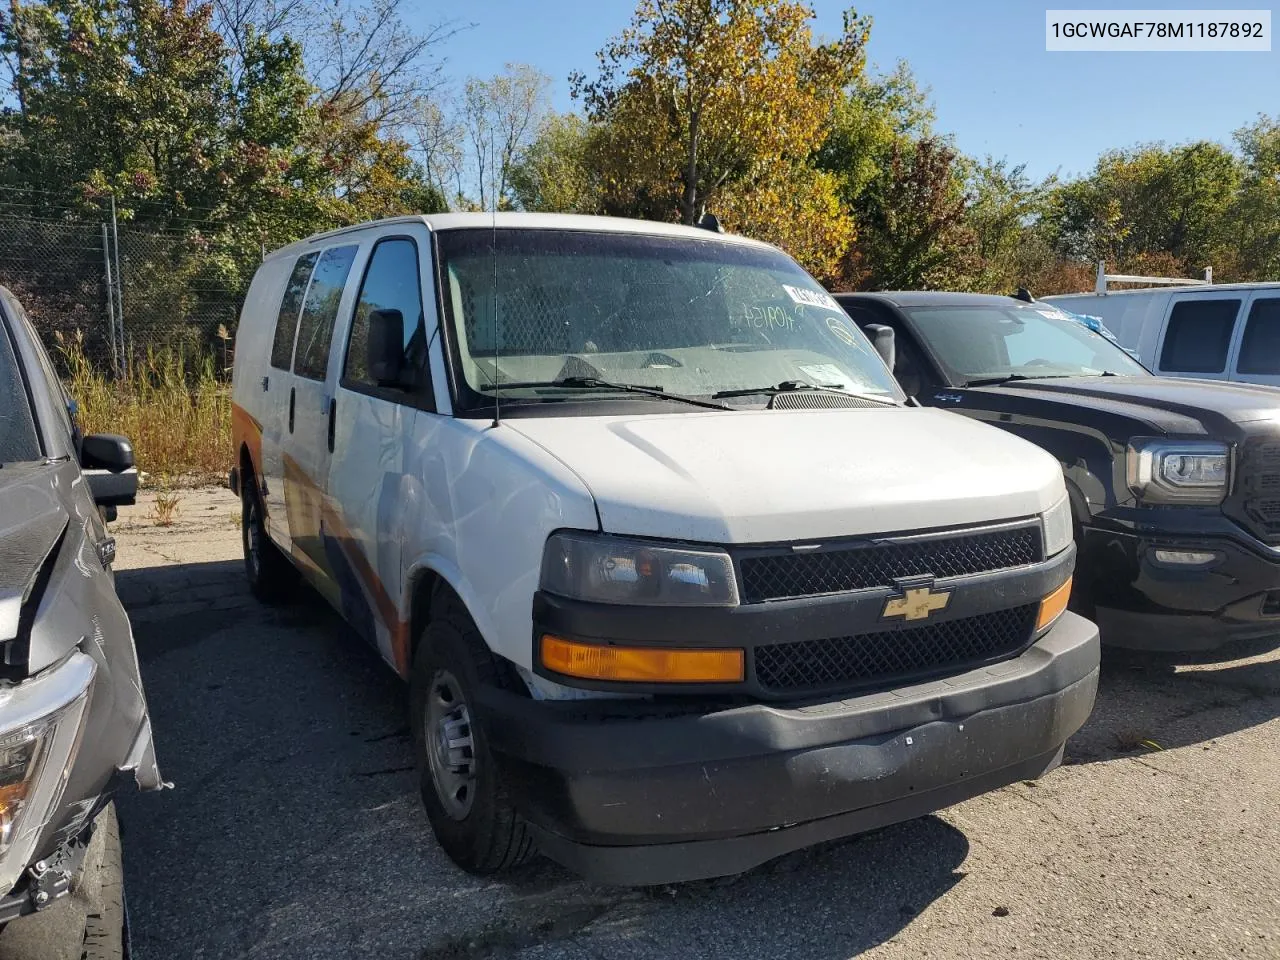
[[991, 343], [18, 441], [537, 314]]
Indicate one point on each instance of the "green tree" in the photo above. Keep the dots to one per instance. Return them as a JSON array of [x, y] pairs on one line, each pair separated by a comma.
[[699, 98], [555, 173]]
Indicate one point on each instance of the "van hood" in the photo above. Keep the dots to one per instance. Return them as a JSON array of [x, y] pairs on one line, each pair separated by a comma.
[[767, 476], [1165, 404]]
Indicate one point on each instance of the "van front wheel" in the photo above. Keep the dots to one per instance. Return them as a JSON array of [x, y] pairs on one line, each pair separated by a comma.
[[470, 813]]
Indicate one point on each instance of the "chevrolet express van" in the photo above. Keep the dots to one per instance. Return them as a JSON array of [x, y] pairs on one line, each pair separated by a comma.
[[678, 579]]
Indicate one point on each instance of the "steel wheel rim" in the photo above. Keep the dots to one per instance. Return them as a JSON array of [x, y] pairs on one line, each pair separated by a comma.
[[451, 753]]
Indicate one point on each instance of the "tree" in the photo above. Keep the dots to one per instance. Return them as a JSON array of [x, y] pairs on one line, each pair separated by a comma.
[[1255, 213], [911, 223], [1003, 216], [556, 172], [1153, 201], [700, 97], [498, 118]]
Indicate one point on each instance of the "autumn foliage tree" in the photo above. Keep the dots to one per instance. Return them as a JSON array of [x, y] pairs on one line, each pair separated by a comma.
[[720, 104]]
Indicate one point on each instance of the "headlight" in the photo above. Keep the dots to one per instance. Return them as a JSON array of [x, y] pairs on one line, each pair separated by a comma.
[[1181, 471], [40, 721], [605, 569], [1058, 527]]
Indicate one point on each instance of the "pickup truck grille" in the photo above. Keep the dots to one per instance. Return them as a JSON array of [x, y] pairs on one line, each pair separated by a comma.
[[1257, 487], [785, 574], [811, 666]]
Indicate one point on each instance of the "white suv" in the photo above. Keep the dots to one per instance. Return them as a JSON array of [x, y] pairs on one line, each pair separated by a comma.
[[679, 580]]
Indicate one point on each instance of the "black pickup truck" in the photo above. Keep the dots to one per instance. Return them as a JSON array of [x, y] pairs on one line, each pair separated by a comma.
[[1174, 484]]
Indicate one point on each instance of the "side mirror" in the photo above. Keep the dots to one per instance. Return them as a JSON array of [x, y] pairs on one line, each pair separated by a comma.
[[384, 350], [882, 339], [107, 461]]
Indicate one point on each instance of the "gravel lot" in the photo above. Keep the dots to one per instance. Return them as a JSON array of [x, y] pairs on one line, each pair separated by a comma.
[[295, 829]]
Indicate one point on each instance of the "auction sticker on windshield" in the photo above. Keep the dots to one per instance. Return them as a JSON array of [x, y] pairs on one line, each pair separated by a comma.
[[813, 298]]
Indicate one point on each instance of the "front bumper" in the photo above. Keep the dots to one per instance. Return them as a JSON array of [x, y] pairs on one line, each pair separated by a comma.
[[643, 793], [1141, 603]]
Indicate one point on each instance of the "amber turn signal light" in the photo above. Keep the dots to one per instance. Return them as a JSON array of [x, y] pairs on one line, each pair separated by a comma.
[[591, 661], [1051, 607]]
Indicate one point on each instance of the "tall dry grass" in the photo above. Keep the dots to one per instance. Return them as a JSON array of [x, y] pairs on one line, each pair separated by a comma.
[[172, 407]]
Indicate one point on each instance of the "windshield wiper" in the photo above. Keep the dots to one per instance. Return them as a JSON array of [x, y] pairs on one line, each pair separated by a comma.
[[594, 383], [792, 386]]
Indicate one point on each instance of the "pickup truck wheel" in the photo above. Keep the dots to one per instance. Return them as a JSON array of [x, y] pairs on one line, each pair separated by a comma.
[[87, 924], [470, 813], [267, 569]]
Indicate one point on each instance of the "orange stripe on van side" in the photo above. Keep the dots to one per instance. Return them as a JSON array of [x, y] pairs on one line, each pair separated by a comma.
[[246, 431]]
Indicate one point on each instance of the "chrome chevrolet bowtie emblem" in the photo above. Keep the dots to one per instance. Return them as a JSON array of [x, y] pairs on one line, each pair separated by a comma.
[[916, 603]]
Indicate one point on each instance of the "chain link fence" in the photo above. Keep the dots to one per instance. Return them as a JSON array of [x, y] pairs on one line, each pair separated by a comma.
[[121, 292]]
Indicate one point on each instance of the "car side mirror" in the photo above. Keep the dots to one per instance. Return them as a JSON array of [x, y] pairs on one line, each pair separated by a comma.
[[107, 461], [882, 339], [384, 350]]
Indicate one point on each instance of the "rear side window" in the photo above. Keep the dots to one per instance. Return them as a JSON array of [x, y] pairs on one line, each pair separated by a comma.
[[1199, 336], [287, 319], [390, 283], [1260, 348], [315, 328]]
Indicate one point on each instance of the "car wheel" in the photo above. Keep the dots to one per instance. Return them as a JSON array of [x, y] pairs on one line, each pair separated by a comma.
[[87, 924], [267, 569], [469, 809], [105, 929]]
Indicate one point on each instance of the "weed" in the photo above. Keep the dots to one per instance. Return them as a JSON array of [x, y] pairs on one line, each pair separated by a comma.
[[1129, 741], [166, 506], [172, 406]]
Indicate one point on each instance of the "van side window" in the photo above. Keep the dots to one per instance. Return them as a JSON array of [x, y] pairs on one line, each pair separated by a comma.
[[315, 328], [1199, 336], [287, 318], [1260, 348], [391, 282]]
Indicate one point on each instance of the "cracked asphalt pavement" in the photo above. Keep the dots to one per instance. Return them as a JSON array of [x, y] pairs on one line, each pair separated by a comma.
[[294, 828]]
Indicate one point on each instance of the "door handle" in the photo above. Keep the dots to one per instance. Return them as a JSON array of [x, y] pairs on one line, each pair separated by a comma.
[[266, 382], [292, 396], [333, 419]]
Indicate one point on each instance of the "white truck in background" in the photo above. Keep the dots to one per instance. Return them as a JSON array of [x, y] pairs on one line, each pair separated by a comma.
[[1190, 327]]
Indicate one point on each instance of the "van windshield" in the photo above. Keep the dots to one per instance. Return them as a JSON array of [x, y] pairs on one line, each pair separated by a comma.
[[18, 440], [548, 312], [980, 343]]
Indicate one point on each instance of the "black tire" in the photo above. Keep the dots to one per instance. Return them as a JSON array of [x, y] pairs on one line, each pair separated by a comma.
[[89, 922], [104, 929], [478, 826], [268, 571]]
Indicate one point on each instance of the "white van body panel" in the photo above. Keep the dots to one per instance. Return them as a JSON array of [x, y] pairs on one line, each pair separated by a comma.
[[767, 476]]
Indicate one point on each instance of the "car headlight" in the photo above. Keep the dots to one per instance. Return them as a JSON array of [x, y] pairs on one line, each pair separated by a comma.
[[40, 723], [1057, 526], [604, 569], [1179, 471]]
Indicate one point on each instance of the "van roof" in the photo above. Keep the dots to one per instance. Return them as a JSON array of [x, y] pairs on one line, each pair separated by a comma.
[[526, 221], [1172, 288]]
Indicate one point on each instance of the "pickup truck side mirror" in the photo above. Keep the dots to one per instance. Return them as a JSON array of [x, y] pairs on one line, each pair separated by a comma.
[[384, 350], [107, 461], [882, 339]]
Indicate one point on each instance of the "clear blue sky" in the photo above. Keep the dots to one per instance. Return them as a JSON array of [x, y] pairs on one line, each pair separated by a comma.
[[995, 87]]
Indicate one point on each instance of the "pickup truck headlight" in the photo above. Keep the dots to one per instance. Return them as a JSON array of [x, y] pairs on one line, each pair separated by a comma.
[[1057, 525], [40, 721], [604, 569], [1179, 471]]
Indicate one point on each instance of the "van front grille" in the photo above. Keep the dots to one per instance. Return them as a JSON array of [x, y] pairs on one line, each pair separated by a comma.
[[846, 663], [785, 574]]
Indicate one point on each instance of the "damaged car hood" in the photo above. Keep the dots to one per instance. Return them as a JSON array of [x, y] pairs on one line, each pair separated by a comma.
[[32, 520]]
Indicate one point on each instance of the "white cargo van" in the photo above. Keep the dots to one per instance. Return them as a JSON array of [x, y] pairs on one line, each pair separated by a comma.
[[1190, 328], [677, 578]]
